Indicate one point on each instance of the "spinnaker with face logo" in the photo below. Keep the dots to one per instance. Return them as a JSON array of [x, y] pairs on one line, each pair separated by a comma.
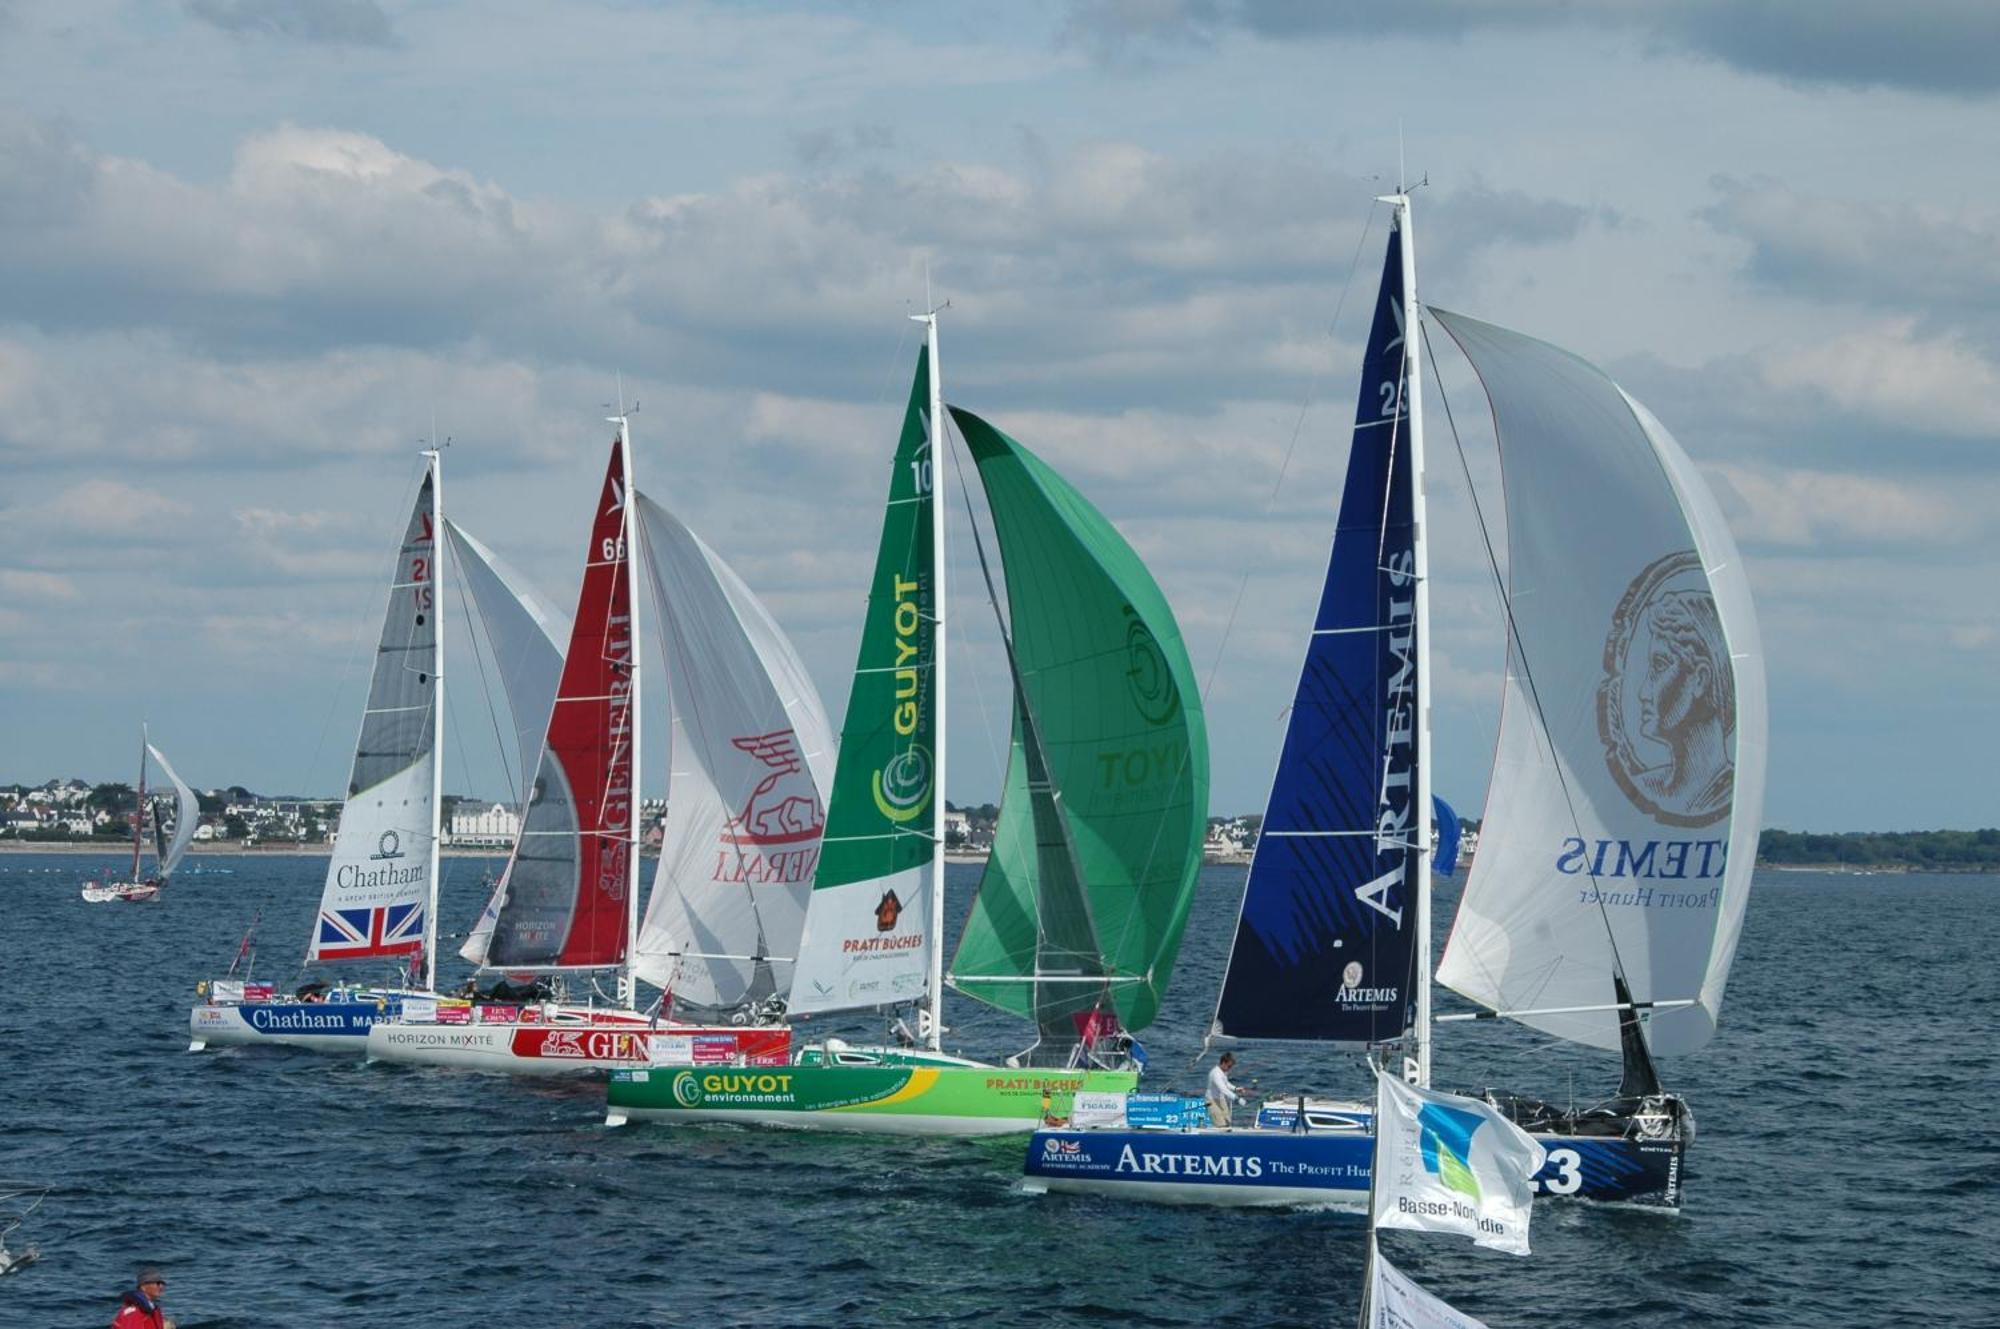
[[1614, 858], [720, 933], [1079, 912]]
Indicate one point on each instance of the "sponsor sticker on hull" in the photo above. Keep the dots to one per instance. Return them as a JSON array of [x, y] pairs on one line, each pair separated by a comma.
[[1337, 1164], [1606, 1170]]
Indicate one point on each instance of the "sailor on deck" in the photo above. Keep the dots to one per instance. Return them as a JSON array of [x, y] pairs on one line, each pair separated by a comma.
[[140, 1308], [1222, 1095]]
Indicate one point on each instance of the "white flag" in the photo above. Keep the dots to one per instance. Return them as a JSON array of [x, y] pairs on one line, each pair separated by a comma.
[[1450, 1164], [1396, 1302]]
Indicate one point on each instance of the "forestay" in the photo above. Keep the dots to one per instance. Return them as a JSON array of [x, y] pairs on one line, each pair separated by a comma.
[[1325, 946], [752, 758], [567, 886], [867, 934], [1110, 753], [1621, 826], [378, 877]]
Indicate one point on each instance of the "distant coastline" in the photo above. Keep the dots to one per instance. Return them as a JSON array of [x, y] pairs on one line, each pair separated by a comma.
[[1951, 852]]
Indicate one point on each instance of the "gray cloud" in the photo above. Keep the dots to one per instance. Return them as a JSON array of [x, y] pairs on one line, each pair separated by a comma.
[[328, 22], [1894, 255], [45, 175], [1103, 277], [1935, 46]]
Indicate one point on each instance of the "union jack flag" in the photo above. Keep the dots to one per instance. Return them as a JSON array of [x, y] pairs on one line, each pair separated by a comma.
[[358, 934]]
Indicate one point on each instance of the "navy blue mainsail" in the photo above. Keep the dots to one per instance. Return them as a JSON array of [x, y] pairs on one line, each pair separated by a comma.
[[1325, 945]]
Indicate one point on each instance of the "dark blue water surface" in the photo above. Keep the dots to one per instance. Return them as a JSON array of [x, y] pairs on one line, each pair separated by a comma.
[[1847, 1170]]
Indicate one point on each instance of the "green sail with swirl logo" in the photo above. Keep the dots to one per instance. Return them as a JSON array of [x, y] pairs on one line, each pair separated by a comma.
[[866, 939], [1106, 802]]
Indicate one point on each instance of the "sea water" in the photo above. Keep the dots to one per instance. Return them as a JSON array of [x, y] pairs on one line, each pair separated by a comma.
[[1847, 1170]]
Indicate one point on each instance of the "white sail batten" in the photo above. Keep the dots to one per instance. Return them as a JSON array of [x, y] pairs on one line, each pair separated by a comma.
[[1621, 824], [187, 814], [379, 878], [753, 756]]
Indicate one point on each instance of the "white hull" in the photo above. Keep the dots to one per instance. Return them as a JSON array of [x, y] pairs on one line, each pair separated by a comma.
[[132, 892], [574, 1041], [480, 1047]]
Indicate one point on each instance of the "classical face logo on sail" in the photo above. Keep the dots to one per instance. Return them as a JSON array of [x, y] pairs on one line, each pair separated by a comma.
[[1666, 709]]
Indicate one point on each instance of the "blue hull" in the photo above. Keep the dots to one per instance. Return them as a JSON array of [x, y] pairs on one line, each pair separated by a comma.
[[1325, 1170]]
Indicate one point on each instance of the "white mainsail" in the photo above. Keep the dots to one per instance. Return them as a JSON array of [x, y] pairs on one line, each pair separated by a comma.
[[525, 634], [379, 878], [1621, 826], [187, 814], [753, 756]]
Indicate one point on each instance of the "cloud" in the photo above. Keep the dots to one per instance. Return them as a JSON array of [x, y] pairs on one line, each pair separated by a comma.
[[95, 510], [1083, 274], [1895, 254], [329, 22], [1933, 46], [1831, 510], [1891, 375], [16, 584]]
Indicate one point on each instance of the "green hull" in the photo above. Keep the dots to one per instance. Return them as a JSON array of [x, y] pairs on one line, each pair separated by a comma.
[[887, 1100]]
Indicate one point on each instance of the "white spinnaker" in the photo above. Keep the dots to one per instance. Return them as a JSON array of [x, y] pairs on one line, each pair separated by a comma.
[[1719, 555], [187, 813], [526, 636], [1621, 824], [753, 756], [381, 856]]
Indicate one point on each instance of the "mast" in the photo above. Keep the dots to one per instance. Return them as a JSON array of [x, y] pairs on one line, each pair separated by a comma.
[[435, 461], [1419, 1069], [139, 805], [936, 911], [628, 986]]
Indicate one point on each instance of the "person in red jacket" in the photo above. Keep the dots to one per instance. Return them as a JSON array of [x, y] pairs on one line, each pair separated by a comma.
[[140, 1308]]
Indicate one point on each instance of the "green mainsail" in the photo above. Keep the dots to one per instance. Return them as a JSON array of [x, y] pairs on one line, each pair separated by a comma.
[[867, 928], [1106, 803]]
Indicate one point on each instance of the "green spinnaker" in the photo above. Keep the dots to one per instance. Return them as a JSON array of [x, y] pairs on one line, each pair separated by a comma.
[[1104, 682]]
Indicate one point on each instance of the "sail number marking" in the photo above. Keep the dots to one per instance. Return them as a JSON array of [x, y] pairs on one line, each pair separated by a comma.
[[1568, 1178]]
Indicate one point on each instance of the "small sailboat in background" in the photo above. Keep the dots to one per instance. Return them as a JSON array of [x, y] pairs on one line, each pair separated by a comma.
[[1614, 864], [168, 851], [722, 929], [1082, 904], [379, 905]]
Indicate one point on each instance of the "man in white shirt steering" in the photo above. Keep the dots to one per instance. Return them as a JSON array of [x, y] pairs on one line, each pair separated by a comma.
[[1223, 1096]]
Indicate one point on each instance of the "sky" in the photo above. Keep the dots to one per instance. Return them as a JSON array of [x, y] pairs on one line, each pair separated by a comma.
[[255, 253]]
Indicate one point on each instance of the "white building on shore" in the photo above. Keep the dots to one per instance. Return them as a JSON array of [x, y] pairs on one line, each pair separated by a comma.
[[495, 825]]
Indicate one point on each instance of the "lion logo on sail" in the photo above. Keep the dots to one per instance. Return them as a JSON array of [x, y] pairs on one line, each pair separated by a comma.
[[1666, 708], [784, 806]]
